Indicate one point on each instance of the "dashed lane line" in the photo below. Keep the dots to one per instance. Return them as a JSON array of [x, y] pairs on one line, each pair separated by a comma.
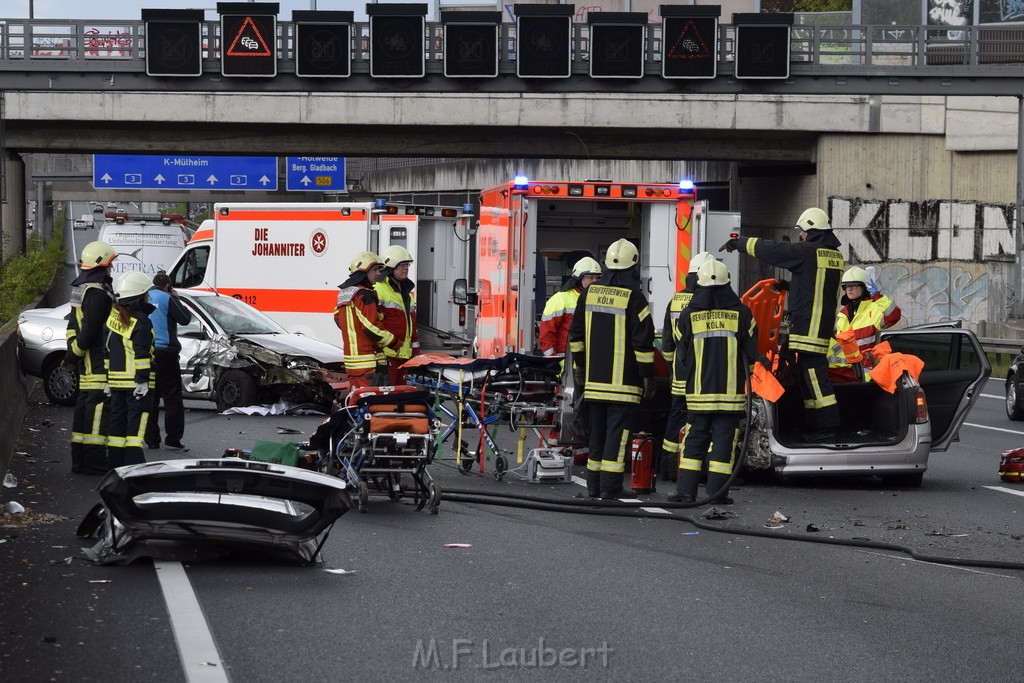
[[199, 656], [1003, 489], [994, 429]]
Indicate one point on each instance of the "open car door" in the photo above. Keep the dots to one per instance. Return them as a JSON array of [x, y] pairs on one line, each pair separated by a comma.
[[955, 370]]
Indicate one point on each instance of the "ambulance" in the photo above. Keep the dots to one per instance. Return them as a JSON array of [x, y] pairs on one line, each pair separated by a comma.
[[532, 232], [287, 259], [284, 259]]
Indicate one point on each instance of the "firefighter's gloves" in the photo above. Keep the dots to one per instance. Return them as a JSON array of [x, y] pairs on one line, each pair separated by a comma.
[[648, 388], [141, 389], [579, 376], [733, 244], [380, 375], [70, 361], [782, 285], [106, 390]]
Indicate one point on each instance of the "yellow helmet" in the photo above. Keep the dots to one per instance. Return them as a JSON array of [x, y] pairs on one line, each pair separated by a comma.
[[813, 219], [395, 254], [586, 266], [131, 284], [856, 276], [699, 260], [364, 261], [712, 274], [622, 254], [96, 255]]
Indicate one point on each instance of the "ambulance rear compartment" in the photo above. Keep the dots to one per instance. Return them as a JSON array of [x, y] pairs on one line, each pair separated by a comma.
[[569, 229]]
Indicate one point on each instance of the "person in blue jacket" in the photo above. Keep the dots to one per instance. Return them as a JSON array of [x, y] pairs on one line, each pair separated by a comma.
[[168, 314]]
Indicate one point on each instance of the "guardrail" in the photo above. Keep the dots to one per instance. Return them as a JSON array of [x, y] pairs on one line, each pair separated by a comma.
[[1007, 346]]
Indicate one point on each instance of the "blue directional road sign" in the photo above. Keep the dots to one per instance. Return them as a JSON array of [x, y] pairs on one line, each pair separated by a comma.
[[152, 172], [314, 174]]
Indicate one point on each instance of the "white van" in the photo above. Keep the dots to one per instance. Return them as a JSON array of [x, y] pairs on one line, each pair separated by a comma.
[[145, 246]]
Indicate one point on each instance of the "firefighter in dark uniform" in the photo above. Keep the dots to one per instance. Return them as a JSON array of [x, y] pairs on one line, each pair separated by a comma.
[[91, 299], [612, 342], [717, 335], [817, 267], [669, 339], [129, 342]]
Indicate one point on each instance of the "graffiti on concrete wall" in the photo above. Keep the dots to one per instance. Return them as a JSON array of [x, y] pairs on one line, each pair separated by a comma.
[[936, 258], [886, 230], [934, 293], [950, 12], [994, 11]]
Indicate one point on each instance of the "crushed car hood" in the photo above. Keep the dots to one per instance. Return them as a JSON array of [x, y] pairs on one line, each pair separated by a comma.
[[297, 345], [181, 509]]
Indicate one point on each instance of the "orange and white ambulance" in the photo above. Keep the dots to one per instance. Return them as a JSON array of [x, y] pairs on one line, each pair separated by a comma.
[[284, 259], [287, 259], [531, 232]]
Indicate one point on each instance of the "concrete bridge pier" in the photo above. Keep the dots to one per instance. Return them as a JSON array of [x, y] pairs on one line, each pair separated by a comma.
[[12, 206]]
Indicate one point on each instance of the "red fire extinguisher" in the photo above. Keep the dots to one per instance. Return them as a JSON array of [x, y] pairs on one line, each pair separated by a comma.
[[642, 460]]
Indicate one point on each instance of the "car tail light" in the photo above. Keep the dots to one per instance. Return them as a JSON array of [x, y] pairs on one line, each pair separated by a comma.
[[462, 316], [920, 406]]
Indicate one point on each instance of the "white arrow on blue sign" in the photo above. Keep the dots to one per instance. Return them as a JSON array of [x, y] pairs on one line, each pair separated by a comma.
[[314, 174], [153, 172]]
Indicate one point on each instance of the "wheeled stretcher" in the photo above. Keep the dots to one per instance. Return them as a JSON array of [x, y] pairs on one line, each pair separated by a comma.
[[474, 394], [381, 443]]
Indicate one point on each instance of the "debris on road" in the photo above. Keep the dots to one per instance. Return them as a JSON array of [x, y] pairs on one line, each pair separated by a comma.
[[778, 518]]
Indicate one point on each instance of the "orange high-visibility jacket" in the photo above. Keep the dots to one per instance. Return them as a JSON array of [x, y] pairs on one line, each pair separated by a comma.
[[359, 320]]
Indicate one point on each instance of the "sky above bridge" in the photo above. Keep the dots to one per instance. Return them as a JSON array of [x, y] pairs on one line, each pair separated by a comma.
[[131, 9]]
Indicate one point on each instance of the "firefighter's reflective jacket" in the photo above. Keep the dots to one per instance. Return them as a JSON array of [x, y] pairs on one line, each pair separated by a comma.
[[130, 348], [556, 320], [91, 300], [612, 342], [359, 320], [817, 269], [398, 316], [718, 336], [670, 335]]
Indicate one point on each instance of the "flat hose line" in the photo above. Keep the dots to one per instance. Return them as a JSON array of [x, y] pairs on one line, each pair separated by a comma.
[[628, 509]]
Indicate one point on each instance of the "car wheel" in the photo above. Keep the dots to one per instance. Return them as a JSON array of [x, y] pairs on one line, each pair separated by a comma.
[[235, 388], [904, 481], [61, 386], [1013, 409]]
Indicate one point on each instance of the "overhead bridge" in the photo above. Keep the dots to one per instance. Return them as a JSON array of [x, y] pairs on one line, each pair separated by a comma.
[[83, 86]]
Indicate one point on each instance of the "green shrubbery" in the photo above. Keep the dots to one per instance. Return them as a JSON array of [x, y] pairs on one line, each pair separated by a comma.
[[26, 276]]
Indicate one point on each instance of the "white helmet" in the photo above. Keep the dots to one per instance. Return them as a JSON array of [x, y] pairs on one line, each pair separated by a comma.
[[856, 276], [699, 260], [96, 255], [622, 254], [586, 266], [395, 254], [813, 219], [364, 261], [712, 274], [131, 284]]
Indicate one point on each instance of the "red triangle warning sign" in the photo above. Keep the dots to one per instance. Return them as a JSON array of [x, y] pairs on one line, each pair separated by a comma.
[[689, 44], [249, 42]]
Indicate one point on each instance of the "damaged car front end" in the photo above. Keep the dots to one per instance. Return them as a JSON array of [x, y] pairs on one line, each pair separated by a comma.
[[203, 509]]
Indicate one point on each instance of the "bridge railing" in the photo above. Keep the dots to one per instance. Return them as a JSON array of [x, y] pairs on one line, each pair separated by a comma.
[[120, 46]]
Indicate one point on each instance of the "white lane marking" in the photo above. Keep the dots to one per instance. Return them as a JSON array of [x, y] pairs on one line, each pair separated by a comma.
[[1003, 489], [996, 396], [199, 656], [579, 481], [995, 429]]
